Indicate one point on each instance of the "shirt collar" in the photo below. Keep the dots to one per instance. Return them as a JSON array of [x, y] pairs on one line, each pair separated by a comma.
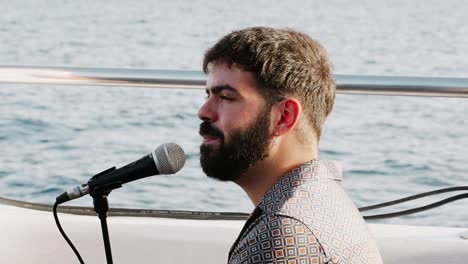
[[310, 171]]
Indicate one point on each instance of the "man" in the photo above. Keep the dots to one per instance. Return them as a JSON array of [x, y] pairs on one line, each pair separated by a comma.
[[269, 92]]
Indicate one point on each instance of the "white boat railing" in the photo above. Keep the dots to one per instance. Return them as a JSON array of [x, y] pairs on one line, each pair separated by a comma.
[[346, 84]]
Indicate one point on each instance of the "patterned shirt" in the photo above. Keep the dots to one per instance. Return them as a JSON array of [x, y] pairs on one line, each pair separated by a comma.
[[306, 217]]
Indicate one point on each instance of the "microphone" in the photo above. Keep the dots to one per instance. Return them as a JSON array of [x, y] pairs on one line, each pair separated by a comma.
[[168, 158]]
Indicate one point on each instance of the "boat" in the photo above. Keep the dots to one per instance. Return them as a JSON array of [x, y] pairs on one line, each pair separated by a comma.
[[29, 233]]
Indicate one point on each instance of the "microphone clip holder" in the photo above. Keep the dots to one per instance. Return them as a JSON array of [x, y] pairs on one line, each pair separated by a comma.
[[102, 189], [101, 207]]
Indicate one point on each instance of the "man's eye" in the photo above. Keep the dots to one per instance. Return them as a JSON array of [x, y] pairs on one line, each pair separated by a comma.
[[225, 97]]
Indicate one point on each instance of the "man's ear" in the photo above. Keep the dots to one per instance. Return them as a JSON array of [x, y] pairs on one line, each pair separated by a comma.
[[289, 111]]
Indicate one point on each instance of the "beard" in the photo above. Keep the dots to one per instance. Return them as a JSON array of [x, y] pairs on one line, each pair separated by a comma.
[[245, 148]]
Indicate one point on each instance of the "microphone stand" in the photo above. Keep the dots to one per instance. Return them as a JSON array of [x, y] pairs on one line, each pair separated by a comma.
[[101, 207]]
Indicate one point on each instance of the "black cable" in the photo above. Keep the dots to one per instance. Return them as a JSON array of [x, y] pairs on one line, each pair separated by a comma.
[[417, 209], [64, 235], [413, 197]]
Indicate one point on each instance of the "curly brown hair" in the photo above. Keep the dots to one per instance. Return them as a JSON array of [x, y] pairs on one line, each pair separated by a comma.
[[286, 63]]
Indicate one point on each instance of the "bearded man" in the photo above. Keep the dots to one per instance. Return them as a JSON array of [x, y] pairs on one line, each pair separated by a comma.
[[269, 92]]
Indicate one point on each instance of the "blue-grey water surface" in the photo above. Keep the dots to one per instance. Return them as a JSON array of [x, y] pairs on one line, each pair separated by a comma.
[[55, 137]]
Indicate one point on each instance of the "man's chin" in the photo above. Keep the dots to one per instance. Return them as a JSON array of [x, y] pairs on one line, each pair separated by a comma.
[[222, 175]]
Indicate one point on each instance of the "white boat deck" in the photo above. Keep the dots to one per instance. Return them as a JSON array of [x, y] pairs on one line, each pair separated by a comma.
[[31, 236]]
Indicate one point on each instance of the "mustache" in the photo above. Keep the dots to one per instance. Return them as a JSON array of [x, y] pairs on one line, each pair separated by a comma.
[[206, 129]]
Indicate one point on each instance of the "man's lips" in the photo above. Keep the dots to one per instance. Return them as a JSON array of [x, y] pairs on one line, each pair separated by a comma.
[[209, 133], [209, 139]]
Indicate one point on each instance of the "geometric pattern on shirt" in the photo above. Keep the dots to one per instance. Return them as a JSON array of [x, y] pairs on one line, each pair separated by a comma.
[[309, 197], [277, 239]]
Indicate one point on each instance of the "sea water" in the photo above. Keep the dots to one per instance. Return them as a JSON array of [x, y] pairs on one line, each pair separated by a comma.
[[55, 137]]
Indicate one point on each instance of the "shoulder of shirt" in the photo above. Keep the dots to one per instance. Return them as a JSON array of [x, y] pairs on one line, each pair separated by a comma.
[[276, 224], [282, 237]]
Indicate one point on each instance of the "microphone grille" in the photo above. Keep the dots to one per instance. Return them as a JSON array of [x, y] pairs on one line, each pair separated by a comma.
[[169, 158]]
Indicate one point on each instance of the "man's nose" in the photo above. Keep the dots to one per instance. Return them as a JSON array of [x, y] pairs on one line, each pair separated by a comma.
[[207, 111]]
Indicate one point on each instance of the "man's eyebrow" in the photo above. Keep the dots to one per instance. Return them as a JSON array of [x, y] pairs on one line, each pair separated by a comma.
[[218, 88]]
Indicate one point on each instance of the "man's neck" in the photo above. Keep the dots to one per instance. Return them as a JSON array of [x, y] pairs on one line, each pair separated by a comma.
[[259, 179]]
